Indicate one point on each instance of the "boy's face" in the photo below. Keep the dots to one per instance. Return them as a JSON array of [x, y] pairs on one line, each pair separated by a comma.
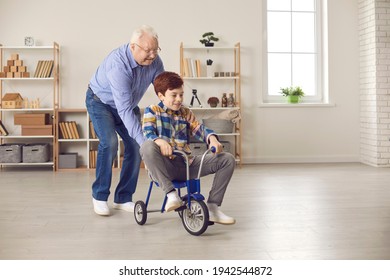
[[173, 99]]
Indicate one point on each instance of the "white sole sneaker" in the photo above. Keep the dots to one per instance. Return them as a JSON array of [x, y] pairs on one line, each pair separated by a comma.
[[100, 207], [127, 206], [217, 216], [173, 201], [222, 220]]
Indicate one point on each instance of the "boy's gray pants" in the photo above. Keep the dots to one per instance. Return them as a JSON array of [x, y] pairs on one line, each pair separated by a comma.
[[165, 170]]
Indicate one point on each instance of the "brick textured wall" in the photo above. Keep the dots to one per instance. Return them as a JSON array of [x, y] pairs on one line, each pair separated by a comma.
[[374, 38]]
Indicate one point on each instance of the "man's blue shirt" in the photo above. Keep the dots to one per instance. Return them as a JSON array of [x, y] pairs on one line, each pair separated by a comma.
[[121, 83]]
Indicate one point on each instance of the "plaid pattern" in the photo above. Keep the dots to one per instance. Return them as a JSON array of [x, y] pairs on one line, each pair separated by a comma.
[[172, 126]]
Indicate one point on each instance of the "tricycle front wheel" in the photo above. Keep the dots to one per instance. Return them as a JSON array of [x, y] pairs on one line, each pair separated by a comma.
[[196, 217]]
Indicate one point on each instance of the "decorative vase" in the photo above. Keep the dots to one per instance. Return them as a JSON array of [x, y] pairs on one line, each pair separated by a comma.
[[224, 100], [293, 99], [209, 71], [230, 101]]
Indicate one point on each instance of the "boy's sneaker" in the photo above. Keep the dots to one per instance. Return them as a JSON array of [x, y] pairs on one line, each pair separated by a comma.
[[173, 201], [217, 216]]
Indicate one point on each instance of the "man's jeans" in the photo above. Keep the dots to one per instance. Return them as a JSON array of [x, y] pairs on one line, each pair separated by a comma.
[[107, 123]]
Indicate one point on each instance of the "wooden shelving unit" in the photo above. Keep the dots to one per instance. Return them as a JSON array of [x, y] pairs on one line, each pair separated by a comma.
[[46, 89], [82, 145], [225, 60]]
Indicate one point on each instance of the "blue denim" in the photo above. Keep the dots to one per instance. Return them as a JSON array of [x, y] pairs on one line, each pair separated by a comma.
[[107, 124]]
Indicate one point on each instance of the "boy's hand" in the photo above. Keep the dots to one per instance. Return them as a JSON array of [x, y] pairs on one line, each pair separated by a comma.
[[165, 148], [190, 117], [215, 143]]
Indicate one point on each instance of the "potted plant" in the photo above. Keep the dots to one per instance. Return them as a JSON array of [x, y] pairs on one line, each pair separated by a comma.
[[213, 101], [208, 37], [293, 94]]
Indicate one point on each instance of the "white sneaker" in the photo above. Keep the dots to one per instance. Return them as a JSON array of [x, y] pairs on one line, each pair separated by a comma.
[[127, 206], [100, 207], [173, 201], [217, 216]]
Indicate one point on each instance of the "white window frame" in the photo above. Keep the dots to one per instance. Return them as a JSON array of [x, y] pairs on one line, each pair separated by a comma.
[[321, 95]]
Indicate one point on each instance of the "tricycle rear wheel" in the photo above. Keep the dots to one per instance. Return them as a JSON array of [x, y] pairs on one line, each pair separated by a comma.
[[140, 213]]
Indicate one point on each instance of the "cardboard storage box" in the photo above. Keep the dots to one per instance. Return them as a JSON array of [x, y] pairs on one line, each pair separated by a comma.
[[32, 119], [33, 153], [67, 160], [11, 153], [37, 130]]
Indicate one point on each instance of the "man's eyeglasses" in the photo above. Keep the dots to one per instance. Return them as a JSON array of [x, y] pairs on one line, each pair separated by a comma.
[[156, 51]]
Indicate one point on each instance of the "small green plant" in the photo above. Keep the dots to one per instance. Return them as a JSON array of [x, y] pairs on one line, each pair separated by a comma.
[[208, 37], [292, 91], [293, 94]]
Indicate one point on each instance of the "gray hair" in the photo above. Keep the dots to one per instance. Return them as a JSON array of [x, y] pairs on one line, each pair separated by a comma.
[[144, 29]]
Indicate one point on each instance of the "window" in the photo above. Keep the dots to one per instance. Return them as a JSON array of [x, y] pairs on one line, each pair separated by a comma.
[[292, 48]]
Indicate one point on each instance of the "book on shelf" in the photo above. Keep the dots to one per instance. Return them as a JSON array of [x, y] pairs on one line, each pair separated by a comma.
[[191, 67], [185, 68], [92, 130], [198, 66], [64, 133], [44, 69], [3, 130], [69, 130], [75, 130], [92, 158], [37, 68]]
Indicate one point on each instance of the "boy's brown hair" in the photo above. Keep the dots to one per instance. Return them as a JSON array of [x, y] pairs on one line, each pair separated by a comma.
[[167, 80]]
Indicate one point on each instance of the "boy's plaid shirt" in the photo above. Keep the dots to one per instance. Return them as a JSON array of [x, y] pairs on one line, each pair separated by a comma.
[[172, 126]]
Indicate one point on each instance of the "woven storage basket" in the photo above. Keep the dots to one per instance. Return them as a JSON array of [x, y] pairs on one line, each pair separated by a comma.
[[11, 153], [198, 149], [218, 125], [32, 153]]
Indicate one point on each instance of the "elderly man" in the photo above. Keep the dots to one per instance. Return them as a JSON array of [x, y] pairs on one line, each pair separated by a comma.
[[112, 99]]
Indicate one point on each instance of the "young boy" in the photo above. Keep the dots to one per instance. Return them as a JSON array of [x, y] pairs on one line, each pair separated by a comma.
[[166, 129]]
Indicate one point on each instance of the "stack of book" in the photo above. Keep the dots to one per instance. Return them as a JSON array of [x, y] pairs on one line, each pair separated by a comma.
[[44, 69], [192, 67], [92, 158], [69, 130], [92, 131]]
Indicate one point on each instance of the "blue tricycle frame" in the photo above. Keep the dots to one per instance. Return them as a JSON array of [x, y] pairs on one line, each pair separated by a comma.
[[193, 213]]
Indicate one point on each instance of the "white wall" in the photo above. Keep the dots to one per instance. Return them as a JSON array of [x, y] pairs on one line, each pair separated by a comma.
[[87, 30]]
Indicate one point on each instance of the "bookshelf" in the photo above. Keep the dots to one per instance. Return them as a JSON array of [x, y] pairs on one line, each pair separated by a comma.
[[85, 145], [32, 96], [223, 76]]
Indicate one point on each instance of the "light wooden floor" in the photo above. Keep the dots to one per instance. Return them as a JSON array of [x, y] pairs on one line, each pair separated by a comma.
[[283, 212]]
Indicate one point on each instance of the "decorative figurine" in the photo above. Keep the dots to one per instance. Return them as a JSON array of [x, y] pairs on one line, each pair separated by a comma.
[[224, 100], [230, 101]]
